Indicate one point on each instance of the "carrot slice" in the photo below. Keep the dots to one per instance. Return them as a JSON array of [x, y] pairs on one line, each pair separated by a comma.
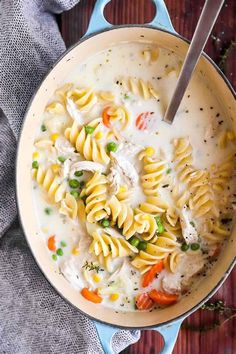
[[150, 275], [52, 243], [162, 298], [91, 296], [106, 117], [143, 302], [141, 120]]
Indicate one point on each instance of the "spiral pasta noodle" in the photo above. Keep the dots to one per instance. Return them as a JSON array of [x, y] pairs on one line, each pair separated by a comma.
[[154, 173], [106, 96], [172, 216], [86, 144], [183, 159], [171, 262], [180, 198], [123, 216], [216, 232], [50, 183], [84, 98], [95, 192], [164, 245], [139, 88], [119, 114], [221, 174], [201, 201], [153, 205], [124, 194], [72, 208], [108, 245]]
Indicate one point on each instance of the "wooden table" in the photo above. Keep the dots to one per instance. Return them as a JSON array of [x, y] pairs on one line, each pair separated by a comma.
[[221, 47]]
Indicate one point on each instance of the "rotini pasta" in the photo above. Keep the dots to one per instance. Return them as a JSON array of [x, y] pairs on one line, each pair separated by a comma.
[[153, 205], [50, 183], [215, 232], [139, 88], [106, 96], [119, 114], [164, 245], [86, 144], [221, 174], [107, 245], [154, 173], [55, 108], [95, 192], [183, 159], [123, 216], [84, 98], [201, 201], [69, 206], [171, 262]]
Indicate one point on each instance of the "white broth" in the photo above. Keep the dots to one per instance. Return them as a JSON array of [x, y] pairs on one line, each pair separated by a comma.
[[133, 210]]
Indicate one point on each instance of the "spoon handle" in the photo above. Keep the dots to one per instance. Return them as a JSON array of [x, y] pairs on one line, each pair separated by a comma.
[[205, 24]]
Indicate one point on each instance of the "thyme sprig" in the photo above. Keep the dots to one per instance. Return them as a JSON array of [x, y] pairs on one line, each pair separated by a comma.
[[91, 266], [218, 307], [225, 53]]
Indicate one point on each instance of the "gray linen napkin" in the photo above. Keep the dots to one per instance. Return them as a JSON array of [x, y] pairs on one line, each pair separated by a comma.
[[33, 318]]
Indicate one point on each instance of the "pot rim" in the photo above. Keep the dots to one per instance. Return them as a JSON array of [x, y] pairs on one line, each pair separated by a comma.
[[83, 39]]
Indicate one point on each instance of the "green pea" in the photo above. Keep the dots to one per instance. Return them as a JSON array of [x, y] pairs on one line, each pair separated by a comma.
[[63, 244], [35, 164], [59, 252], [134, 241], [54, 257], [168, 170], [112, 146], [89, 129], [73, 183], [142, 246], [160, 226], [75, 194], [43, 128], [105, 223], [78, 173], [184, 247], [61, 159], [195, 246]]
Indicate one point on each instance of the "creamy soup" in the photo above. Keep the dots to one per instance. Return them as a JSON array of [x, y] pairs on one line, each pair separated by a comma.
[[133, 210]]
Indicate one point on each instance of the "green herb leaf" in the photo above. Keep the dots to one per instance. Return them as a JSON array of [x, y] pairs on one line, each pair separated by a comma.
[[48, 211], [43, 128], [91, 266]]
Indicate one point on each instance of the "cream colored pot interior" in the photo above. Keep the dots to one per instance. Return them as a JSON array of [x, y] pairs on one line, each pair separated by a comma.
[[25, 201]]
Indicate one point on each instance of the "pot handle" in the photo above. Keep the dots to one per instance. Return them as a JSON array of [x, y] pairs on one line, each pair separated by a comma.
[[99, 23], [169, 333]]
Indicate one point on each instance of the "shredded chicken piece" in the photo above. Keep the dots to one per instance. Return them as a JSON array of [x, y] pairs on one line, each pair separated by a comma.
[[188, 266], [114, 180], [126, 169], [73, 111], [85, 166], [63, 146], [189, 232]]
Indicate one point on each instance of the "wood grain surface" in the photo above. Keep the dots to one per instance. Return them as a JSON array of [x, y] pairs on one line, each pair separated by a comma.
[[221, 47]]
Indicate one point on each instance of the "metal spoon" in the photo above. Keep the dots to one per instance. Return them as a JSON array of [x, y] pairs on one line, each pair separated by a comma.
[[205, 24]]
